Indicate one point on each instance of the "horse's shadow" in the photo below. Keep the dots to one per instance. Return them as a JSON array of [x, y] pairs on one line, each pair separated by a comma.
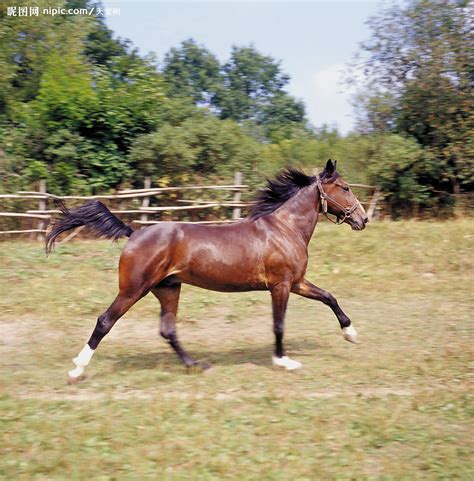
[[257, 355]]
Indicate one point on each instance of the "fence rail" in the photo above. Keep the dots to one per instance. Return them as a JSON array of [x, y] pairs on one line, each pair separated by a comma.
[[42, 214]]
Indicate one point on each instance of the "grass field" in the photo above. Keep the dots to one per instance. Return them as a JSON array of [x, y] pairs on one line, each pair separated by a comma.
[[397, 406]]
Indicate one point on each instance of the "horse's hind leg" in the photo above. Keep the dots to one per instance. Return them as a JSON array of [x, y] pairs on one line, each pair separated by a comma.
[[105, 322], [169, 298]]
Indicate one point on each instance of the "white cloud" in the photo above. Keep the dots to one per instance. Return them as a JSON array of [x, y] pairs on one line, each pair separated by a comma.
[[328, 100]]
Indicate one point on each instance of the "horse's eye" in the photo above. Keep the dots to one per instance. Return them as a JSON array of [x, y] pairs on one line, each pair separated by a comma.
[[346, 188]]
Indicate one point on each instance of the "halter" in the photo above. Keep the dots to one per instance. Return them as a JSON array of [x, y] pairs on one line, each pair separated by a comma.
[[347, 211]]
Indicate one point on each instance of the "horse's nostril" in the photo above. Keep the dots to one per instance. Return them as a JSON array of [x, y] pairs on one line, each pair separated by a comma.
[[366, 219]]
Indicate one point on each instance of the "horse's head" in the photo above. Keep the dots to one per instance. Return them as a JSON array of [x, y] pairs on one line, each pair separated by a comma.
[[338, 199]]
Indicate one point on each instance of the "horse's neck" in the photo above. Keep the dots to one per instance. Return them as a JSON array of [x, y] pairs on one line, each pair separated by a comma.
[[301, 212]]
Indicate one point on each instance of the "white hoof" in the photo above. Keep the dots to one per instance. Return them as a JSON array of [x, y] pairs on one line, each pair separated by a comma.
[[81, 361], [350, 334], [287, 363], [76, 373]]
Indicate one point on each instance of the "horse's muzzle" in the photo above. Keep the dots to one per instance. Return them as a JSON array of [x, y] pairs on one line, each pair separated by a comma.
[[359, 223]]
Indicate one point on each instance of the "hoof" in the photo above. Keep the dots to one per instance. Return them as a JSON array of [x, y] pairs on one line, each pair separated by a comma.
[[75, 379], [287, 363], [197, 367], [350, 334]]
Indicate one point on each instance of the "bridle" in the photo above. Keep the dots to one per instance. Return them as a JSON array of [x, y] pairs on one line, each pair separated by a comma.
[[347, 211]]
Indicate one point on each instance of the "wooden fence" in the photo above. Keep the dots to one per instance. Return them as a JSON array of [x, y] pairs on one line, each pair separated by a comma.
[[145, 212]]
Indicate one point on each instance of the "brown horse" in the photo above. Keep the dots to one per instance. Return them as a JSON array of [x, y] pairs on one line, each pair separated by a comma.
[[268, 250]]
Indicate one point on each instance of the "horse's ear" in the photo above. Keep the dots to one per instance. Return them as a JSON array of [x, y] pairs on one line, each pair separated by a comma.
[[330, 167]]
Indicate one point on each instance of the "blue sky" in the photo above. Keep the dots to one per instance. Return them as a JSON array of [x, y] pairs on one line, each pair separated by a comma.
[[314, 40]]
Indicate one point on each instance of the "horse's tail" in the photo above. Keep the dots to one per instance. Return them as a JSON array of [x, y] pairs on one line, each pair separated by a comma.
[[93, 214]]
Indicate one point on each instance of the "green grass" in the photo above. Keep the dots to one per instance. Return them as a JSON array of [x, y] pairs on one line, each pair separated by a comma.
[[395, 407]]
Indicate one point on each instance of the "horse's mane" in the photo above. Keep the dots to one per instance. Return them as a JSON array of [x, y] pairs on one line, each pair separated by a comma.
[[277, 191], [286, 184]]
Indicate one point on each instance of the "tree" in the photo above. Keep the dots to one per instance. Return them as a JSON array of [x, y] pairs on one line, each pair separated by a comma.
[[202, 144], [253, 90], [25, 42], [192, 71], [66, 97], [101, 48], [420, 66], [397, 165], [75, 98], [249, 88], [82, 109]]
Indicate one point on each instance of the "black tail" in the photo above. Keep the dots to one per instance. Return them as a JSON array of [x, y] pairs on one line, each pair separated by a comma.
[[93, 214]]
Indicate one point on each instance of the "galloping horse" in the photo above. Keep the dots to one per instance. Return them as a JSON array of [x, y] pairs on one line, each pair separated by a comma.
[[268, 250]]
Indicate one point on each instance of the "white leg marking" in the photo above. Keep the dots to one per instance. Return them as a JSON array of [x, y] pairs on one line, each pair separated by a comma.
[[350, 334], [286, 362], [75, 373], [81, 361]]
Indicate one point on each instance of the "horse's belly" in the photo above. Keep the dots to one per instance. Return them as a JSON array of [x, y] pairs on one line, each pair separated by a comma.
[[224, 278], [225, 286]]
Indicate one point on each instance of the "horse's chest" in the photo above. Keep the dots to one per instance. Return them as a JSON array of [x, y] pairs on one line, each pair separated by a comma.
[[286, 263]]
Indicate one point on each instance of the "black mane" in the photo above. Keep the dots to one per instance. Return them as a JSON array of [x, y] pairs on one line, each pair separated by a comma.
[[286, 184]]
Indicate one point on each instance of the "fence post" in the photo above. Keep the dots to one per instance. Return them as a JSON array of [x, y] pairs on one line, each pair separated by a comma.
[[373, 205], [146, 200], [237, 196], [42, 206]]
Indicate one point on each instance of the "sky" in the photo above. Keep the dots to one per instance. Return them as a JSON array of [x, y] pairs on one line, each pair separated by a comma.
[[314, 40]]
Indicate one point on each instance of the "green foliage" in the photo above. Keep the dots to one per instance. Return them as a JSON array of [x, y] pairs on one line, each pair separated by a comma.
[[25, 43], [83, 110], [192, 71], [164, 152], [397, 165], [420, 63], [203, 144], [253, 90], [127, 107], [249, 88], [311, 151], [65, 97], [92, 97], [105, 167], [36, 170], [283, 116]]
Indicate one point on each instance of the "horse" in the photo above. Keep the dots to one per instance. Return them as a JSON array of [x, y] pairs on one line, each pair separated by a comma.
[[265, 251]]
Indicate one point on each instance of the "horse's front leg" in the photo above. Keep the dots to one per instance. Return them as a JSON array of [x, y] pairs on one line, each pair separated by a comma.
[[280, 294], [306, 289]]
